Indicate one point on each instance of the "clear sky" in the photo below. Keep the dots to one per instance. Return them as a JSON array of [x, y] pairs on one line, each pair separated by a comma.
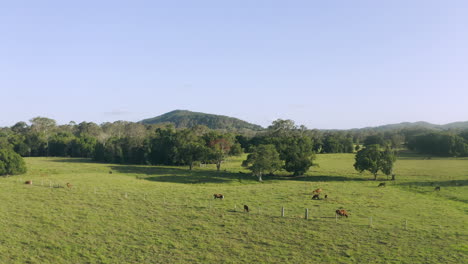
[[323, 64]]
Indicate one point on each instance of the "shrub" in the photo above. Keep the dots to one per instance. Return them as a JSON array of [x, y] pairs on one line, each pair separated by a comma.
[[11, 163]]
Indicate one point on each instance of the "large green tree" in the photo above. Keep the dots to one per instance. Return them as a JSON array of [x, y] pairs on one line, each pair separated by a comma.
[[373, 159], [263, 159]]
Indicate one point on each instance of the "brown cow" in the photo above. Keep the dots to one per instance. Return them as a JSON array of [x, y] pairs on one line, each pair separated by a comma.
[[28, 182], [69, 185], [246, 208], [317, 191], [342, 213], [218, 195]]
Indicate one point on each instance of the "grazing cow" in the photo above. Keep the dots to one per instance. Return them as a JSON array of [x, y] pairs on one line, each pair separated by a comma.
[[317, 191], [246, 208], [437, 188], [342, 213], [28, 182], [69, 185], [315, 197], [218, 195], [382, 184]]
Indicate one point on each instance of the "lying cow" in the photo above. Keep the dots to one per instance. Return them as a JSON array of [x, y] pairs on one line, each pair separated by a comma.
[[218, 196], [28, 182], [437, 188], [382, 184], [342, 213]]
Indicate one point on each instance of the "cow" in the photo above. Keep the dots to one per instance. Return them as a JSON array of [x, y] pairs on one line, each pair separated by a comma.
[[110, 172], [326, 196], [342, 213], [317, 191], [246, 208], [28, 182], [69, 185], [437, 188], [382, 184], [315, 197], [218, 195]]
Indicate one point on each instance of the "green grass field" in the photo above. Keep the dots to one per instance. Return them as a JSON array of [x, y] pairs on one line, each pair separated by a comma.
[[149, 214]]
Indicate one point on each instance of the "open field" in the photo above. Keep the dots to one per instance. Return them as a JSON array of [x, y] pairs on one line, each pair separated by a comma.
[[148, 214]]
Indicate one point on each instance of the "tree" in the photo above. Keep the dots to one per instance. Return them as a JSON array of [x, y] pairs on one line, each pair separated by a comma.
[[190, 147], [219, 147], [43, 127], [11, 163], [387, 159], [372, 159], [263, 159]]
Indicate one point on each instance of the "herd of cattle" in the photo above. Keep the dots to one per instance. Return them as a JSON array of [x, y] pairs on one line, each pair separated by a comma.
[[315, 196]]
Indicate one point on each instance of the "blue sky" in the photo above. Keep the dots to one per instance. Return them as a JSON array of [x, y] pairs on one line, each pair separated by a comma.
[[324, 64]]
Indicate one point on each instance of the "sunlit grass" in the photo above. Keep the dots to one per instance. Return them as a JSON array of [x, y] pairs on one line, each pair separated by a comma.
[[151, 214]]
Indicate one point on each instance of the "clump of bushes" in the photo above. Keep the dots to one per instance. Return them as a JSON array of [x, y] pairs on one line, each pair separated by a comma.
[[11, 163]]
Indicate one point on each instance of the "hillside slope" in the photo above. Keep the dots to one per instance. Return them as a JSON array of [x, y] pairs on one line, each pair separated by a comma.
[[184, 118]]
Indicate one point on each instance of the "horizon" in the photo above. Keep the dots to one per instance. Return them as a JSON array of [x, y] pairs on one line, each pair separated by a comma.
[[333, 65], [264, 127]]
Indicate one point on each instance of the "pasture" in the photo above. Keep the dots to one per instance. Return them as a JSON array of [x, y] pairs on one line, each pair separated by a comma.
[[160, 214]]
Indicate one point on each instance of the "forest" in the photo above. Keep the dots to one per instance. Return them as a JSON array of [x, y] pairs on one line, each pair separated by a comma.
[[164, 144]]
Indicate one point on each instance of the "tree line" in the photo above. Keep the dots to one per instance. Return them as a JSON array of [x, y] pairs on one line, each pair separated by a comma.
[[288, 146]]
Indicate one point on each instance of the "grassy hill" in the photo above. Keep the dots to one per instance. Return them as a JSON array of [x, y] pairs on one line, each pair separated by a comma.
[[156, 214], [184, 119]]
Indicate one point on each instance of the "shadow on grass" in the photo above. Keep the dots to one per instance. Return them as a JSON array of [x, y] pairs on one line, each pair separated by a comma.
[[181, 175], [452, 183], [430, 187], [316, 178], [74, 160]]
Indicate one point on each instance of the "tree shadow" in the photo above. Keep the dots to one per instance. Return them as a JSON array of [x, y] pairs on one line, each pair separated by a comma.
[[430, 187], [180, 175], [452, 183], [74, 160], [317, 178]]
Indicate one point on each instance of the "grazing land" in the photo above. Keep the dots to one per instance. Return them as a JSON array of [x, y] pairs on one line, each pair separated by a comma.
[[161, 214]]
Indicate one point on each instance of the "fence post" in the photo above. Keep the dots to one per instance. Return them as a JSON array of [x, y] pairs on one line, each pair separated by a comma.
[[282, 211], [307, 213]]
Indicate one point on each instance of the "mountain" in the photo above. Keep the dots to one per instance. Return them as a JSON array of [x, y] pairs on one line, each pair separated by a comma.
[[184, 118], [418, 125]]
